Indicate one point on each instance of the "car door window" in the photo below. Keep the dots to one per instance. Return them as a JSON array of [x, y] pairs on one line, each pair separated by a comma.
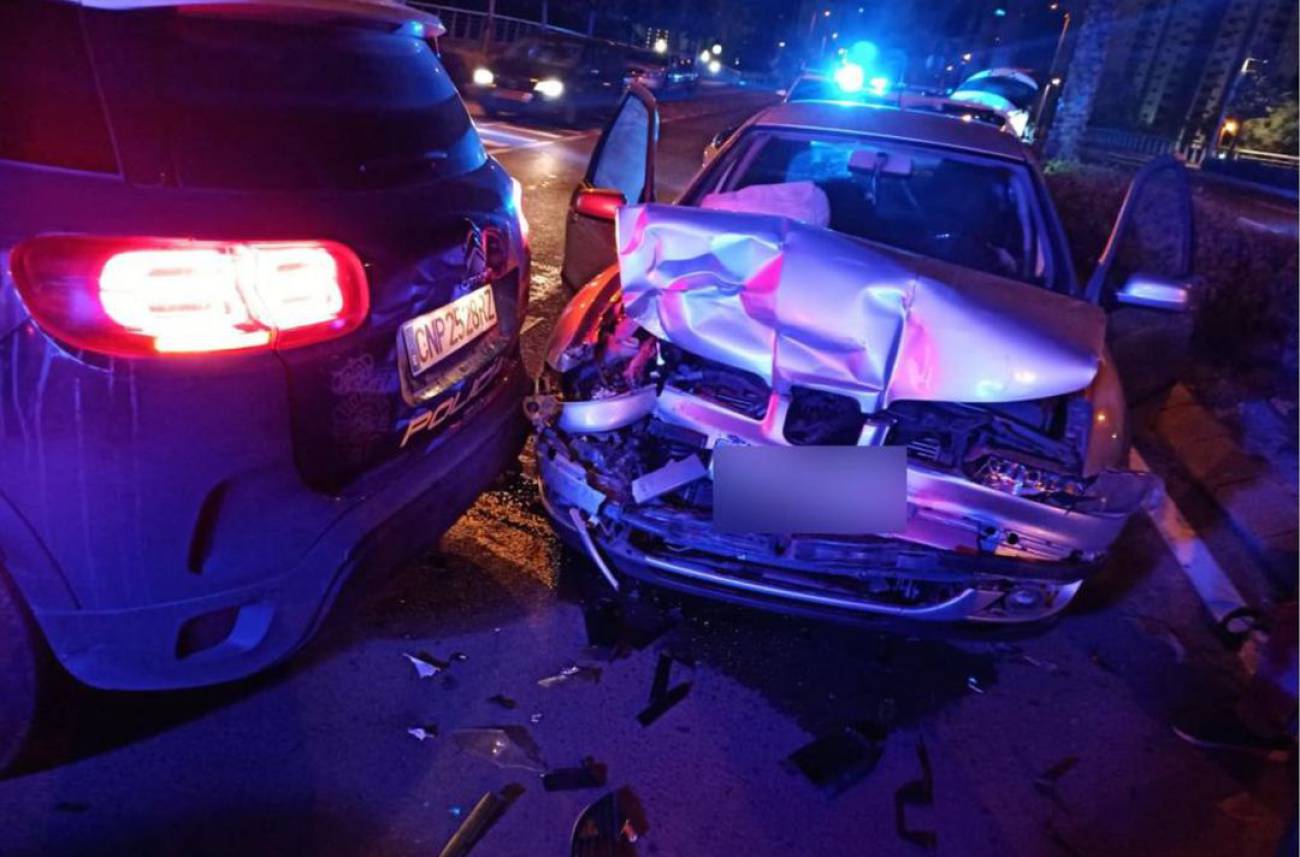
[[622, 162]]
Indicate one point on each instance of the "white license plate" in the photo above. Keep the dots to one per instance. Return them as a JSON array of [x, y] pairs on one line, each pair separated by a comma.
[[435, 335]]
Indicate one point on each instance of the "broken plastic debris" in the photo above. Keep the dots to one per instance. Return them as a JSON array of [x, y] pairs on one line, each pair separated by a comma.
[[426, 665], [504, 701], [503, 746], [535, 717], [840, 759], [916, 793], [589, 775], [485, 813], [673, 475], [610, 826], [1045, 784], [661, 697], [571, 672], [459, 656], [420, 733], [617, 626], [974, 684]]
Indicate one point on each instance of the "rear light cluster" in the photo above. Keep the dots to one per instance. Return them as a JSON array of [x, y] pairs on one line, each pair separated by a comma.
[[142, 296]]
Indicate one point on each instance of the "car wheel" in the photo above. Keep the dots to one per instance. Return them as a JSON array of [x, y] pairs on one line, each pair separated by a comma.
[[22, 657]]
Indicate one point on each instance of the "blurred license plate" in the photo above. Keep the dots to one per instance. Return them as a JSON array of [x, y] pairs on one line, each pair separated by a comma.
[[447, 329], [832, 490]]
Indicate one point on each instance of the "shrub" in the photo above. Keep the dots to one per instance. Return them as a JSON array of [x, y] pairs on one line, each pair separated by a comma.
[[1246, 305]]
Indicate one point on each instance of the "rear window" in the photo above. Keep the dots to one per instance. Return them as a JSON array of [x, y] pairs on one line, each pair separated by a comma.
[[50, 112], [261, 102]]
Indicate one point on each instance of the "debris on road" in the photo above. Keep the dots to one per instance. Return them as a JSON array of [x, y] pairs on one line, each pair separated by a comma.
[[420, 733], [504, 701], [916, 793], [1045, 784], [610, 827], [535, 717], [840, 759], [571, 671], [485, 813], [618, 626], [974, 684], [426, 665], [503, 746], [661, 697], [589, 775]]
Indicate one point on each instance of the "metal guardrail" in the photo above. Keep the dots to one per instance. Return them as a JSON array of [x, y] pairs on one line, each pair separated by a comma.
[[1263, 157], [470, 25], [1122, 146]]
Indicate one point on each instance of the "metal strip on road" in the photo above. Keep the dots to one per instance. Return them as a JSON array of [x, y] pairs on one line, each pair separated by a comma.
[[1213, 586]]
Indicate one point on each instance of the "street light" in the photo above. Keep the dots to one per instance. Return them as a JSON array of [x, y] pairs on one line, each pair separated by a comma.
[[780, 44], [705, 56], [717, 49], [661, 46], [965, 57]]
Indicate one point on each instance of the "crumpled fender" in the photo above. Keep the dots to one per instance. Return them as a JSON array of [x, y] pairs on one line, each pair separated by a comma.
[[798, 305]]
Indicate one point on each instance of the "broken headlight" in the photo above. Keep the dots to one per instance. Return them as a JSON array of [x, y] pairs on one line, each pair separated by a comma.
[[1027, 480]]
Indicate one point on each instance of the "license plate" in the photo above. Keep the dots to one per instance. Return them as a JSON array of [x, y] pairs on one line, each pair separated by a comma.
[[514, 95], [839, 490], [442, 332]]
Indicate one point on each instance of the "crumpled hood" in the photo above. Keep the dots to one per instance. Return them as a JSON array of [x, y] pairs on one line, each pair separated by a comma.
[[798, 305]]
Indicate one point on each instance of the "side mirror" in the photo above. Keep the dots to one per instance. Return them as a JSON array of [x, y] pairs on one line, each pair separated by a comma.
[[720, 138], [599, 202], [1154, 292]]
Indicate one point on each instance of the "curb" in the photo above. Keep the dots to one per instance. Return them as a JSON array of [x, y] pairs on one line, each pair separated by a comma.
[[1260, 504]]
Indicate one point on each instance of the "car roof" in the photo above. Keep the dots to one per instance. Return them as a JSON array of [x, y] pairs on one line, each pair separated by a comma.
[[888, 121], [383, 10]]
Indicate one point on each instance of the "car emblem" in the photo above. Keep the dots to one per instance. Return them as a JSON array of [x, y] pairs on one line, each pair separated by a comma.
[[476, 260]]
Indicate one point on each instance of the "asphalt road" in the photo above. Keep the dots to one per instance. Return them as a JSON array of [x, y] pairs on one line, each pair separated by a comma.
[[315, 757]]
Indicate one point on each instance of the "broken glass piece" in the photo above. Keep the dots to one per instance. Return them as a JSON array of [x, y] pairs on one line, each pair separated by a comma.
[[426, 665], [570, 672], [420, 733], [503, 746]]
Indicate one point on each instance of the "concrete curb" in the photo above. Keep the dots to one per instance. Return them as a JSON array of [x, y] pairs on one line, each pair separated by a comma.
[[1260, 503]]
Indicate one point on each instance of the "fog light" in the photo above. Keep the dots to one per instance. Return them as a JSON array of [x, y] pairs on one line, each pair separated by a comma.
[[1025, 599]]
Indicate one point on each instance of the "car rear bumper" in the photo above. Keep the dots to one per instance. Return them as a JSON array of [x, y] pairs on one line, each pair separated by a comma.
[[939, 572], [387, 517]]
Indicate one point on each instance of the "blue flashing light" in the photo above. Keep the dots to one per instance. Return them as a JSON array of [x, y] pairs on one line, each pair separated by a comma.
[[850, 77], [1000, 12]]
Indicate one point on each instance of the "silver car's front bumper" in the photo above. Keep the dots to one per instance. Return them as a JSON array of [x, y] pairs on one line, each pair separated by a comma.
[[968, 552]]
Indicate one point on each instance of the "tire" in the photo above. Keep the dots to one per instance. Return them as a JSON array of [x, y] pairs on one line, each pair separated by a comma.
[[22, 662]]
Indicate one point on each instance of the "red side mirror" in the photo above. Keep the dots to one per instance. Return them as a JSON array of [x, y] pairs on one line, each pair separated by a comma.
[[600, 203]]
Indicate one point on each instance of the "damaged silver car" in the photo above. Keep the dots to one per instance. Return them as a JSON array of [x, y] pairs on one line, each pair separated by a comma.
[[845, 276]]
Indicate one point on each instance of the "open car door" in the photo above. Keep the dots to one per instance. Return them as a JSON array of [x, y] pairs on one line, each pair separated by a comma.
[[1145, 278], [621, 171]]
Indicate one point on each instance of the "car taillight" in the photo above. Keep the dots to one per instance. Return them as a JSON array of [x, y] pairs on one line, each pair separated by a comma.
[[141, 296]]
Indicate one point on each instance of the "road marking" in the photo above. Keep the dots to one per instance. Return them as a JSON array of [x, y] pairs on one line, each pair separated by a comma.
[[505, 136], [1215, 589]]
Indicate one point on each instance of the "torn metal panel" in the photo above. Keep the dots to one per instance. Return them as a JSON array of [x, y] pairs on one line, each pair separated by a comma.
[[797, 305]]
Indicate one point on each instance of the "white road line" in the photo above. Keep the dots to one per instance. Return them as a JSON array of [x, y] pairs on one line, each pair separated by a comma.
[[1215, 589]]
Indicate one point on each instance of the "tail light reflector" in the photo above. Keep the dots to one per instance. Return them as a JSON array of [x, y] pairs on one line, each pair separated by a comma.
[[140, 296]]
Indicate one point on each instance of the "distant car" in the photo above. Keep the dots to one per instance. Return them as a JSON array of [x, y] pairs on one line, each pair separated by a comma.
[[555, 75], [661, 74], [1012, 92], [844, 276], [258, 328]]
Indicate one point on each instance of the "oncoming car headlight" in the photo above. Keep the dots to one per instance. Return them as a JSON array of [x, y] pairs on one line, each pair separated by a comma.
[[549, 88], [484, 77]]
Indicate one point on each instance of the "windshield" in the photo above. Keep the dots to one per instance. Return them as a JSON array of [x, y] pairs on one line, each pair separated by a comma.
[[545, 52], [272, 102], [976, 212]]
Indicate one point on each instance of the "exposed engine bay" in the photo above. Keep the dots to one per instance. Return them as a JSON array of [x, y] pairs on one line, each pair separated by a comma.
[[1008, 509]]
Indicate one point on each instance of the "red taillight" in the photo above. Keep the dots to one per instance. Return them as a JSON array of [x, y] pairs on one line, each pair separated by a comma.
[[139, 296]]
